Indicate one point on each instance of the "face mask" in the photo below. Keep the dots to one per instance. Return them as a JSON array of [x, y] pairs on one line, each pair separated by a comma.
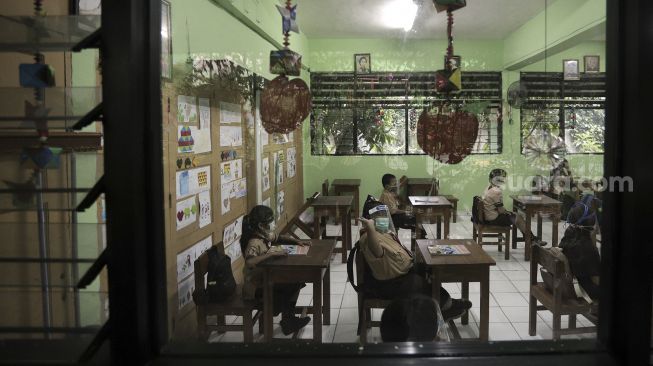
[[268, 233], [382, 224]]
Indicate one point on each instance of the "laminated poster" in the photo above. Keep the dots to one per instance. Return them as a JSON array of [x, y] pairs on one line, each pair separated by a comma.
[[204, 199], [186, 213], [186, 109], [190, 139], [193, 181], [231, 171], [233, 231]]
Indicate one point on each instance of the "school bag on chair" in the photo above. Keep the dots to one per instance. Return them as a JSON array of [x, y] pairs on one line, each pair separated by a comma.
[[220, 282]]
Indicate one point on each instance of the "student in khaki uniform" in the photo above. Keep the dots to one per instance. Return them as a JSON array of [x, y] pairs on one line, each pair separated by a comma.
[[403, 219], [493, 210], [259, 243], [394, 273]]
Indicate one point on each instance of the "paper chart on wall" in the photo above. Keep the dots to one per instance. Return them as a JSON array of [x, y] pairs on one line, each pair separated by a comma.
[[266, 202], [225, 201], [234, 251], [205, 113], [265, 170], [231, 171], [278, 167], [193, 181], [190, 139], [230, 113], [231, 136], [281, 202], [186, 109], [291, 161], [233, 231], [204, 199], [186, 258], [185, 291], [186, 213]]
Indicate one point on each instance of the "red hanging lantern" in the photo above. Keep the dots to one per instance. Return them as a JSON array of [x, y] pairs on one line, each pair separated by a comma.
[[447, 137]]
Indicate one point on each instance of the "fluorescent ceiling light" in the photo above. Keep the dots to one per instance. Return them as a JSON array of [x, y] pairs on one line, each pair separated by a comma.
[[400, 14]]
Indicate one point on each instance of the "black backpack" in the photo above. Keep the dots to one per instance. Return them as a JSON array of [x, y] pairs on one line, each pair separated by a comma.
[[220, 282]]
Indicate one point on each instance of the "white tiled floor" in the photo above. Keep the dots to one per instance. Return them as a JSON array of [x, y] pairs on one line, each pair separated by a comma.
[[509, 285]]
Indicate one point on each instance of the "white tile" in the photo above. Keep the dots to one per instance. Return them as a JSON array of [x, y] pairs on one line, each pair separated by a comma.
[[304, 300], [501, 287], [498, 276], [496, 315], [503, 332], [542, 331], [308, 290], [509, 299], [522, 286], [338, 266], [214, 337], [337, 288], [466, 331], [452, 288], [346, 333], [517, 275], [349, 290], [328, 332], [475, 298], [232, 337], [336, 301], [348, 316], [340, 277], [349, 301], [334, 316], [516, 314], [509, 266]]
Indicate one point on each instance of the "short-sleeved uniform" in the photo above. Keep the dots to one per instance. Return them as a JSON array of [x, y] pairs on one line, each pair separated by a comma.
[[390, 199], [254, 276], [492, 200]]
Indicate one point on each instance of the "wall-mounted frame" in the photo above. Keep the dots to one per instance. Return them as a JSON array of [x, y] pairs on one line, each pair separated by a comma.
[[592, 64], [362, 63], [570, 69], [454, 60], [86, 7], [166, 40]]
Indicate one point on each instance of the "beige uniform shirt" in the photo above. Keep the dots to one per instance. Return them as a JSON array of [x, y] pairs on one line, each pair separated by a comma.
[[491, 197], [391, 200], [394, 262], [254, 276]]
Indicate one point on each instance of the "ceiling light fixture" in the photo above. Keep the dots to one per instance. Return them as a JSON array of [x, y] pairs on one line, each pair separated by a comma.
[[400, 14]]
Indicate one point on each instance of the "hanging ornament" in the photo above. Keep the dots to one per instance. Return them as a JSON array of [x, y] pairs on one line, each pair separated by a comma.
[[285, 103], [449, 5], [447, 137], [544, 150]]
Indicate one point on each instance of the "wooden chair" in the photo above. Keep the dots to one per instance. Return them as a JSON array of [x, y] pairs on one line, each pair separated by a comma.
[[235, 305], [481, 230], [296, 222], [366, 303], [561, 300], [325, 187]]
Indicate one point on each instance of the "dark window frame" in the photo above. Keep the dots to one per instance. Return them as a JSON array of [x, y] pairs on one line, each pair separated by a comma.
[[354, 98]]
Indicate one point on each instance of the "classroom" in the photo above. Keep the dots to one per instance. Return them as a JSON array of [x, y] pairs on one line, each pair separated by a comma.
[[354, 179]]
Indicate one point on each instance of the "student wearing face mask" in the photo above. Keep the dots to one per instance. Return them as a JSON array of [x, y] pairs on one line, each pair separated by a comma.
[[259, 242], [394, 272], [493, 210], [390, 197]]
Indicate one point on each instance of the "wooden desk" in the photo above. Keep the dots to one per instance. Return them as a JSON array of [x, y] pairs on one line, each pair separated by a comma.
[[421, 186], [531, 207], [454, 201], [440, 206], [474, 267], [314, 267], [348, 186], [340, 205]]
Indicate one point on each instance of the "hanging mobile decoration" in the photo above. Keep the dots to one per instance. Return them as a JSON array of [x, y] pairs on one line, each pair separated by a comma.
[[448, 135], [285, 103], [544, 150]]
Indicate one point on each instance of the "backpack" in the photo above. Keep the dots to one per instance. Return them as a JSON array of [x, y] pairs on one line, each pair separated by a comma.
[[220, 283]]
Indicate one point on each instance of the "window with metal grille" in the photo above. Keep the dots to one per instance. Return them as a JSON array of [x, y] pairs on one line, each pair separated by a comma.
[[571, 109], [378, 113]]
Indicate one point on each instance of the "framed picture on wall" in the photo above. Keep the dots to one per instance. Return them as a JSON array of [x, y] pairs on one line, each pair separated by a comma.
[[570, 69], [453, 60], [592, 64], [166, 41], [86, 7], [362, 63]]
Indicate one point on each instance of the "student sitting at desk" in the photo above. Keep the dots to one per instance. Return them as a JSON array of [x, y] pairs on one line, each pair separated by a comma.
[[493, 210], [394, 273], [400, 218], [258, 243]]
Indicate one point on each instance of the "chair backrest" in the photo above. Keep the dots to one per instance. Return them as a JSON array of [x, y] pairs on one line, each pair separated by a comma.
[[325, 187], [556, 265], [478, 215], [296, 220]]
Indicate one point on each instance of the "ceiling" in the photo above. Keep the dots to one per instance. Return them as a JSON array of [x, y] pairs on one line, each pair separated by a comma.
[[481, 19]]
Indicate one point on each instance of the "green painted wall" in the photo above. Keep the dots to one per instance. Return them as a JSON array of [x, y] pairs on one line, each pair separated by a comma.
[[463, 180]]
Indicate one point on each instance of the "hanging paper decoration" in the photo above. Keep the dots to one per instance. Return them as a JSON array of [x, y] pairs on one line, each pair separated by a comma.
[[544, 149], [185, 141], [285, 103], [447, 137], [449, 5], [43, 157], [22, 196]]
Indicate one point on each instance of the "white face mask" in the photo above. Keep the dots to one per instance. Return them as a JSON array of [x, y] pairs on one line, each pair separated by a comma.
[[268, 233]]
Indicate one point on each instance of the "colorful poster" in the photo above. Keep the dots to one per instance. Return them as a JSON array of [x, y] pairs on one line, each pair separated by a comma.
[[185, 140], [186, 109], [186, 213], [205, 113], [231, 171], [265, 170], [291, 161], [193, 181], [204, 199], [190, 139], [186, 258], [185, 291], [231, 136], [230, 113]]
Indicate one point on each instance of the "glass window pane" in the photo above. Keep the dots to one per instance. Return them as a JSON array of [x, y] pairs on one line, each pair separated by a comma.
[[584, 130], [332, 131], [381, 131]]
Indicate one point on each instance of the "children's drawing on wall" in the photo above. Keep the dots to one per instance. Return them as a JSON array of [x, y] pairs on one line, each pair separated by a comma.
[[233, 251], [232, 232], [230, 113], [185, 140], [265, 170], [231, 171], [278, 159], [231, 136], [185, 291], [186, 213], [204, 199], [186, 258], [193, 181], [281, 203], [205, 113], [186, 109], [291, 161]]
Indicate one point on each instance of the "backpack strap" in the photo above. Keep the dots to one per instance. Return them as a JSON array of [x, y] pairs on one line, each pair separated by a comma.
[[350, 267]]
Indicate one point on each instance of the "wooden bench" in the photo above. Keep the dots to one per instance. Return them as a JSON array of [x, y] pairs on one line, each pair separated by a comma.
[[481, 230], [235, 305], [554, 300]]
